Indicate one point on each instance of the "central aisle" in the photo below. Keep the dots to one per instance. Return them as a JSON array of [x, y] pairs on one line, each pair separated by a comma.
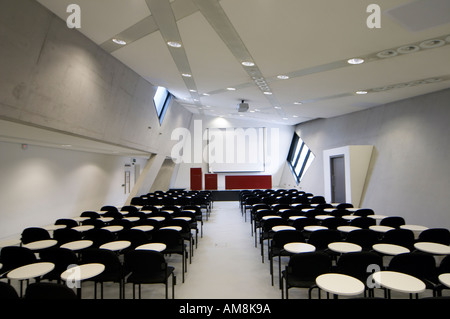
[[226, 264]]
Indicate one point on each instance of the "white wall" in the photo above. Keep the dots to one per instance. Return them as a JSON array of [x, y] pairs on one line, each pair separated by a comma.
[[278, 141], [409, 172], [40, 184]]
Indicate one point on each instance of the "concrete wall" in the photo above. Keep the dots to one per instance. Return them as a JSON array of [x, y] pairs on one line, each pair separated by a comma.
[[409, 172], [55, 77]]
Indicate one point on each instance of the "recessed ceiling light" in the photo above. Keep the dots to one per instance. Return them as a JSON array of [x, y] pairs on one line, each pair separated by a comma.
[[361, 92], [408, 49], [193, 91], [298, 103], [435, 43], [268, 93], [231, 89], [295, 116], [277, 107], [205, 94], [283, 77], [355, 61], [174, 44], [248, 63], [118, 41], [186, 75], [387, 54]]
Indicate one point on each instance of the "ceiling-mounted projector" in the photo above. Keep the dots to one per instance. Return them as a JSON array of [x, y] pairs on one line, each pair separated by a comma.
[[243, 107]]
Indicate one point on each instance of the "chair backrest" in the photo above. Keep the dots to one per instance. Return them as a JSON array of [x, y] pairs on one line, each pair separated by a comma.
[[364, 212], [357, 264], [300, 223], [49, 291], [344, 205], [61, 257], [129, 209], [109, 208], [321, 238], [401, 237], [90, 214], [393, 221], [334, 222], [14, 256], [363, 222], [32, 234], [7, 292], [136, 237], [444, 266], [272, 222], [171, 238], [286, 236], [435, 235], [99, 236], [144, 261], [366, 238], [339, 212], [97, 223], [417, 264], [66, 235], [106, 257], [70, 223], [309, 265]]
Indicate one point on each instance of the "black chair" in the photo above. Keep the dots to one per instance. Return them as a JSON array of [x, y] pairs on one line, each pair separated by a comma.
[[318, 200], [198, 215], [280, 239], [7, 292], [148, 267], [129, 209], [401, 237], [174, 245], [12, 257], [359, 265], [339, 213], [444, 268], [114, 271], [32, 234], [321, 238], [135, 237], [66, 235], [364, 212], [301, 223], [70, 223], [97, 223], [344, 205], [302, 271], [99, 236], [333, 222], [185, 233], [113, 214], [363, 222], [393, 221], [267, 233], [62, 258], [419, 265], [435, 235], [365, 238], [90, 214], [49, 291]]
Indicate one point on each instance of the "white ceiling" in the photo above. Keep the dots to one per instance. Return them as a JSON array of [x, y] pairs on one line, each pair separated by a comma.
[[308, 40]]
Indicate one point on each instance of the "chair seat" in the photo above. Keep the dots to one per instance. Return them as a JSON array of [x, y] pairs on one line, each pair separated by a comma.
[[153, 278]]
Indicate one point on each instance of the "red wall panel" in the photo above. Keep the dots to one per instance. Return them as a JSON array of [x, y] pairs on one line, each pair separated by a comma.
[[196, 179], [248, 181], [210, 181]]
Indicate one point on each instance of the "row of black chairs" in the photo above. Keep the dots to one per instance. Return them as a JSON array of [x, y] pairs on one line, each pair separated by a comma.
[[138, 267], [202, 199], [303, 269], [16, 256]]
